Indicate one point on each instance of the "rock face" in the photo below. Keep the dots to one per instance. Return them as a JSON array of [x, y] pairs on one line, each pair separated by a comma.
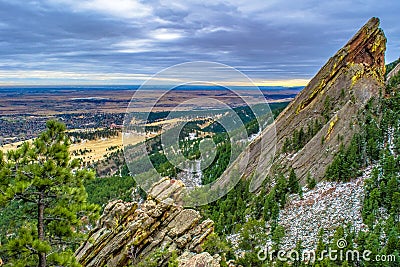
[[128, 232], [334, 97], [393, 72], [204, 259]]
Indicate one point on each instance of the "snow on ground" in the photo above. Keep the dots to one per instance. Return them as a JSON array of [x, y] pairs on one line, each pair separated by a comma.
[[328, 205]]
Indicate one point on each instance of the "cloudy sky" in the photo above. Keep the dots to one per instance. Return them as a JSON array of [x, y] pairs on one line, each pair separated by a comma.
[[127, 41]]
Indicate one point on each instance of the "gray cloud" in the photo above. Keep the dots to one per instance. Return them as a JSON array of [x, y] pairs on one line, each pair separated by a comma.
[[267, 40]]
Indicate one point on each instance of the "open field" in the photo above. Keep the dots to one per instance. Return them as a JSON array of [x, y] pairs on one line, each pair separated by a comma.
[[12, 146], [92, 150], [97, 149], [56, 101]]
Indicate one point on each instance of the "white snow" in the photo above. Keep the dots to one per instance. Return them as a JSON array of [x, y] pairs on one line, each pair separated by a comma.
[[328, 205]]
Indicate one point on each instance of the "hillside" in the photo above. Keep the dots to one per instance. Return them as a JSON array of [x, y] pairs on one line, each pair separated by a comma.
[[324, 114], [322, 179], [334, 177]]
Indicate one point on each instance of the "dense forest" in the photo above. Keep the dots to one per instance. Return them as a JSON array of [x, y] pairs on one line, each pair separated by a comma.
[[377, 144], [41, 176]]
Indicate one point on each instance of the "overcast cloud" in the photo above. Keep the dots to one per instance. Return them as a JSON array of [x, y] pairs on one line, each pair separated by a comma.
[[126, 41]]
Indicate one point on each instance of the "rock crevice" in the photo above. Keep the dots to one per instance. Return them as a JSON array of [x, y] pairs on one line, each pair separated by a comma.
[[128, 232]]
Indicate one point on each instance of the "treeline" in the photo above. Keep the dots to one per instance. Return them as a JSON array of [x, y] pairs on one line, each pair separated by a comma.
[[248, 118], [221, 161], [103, 190], [77, 137], [247, 214], [376, 144], [81, 152], [392, 65]]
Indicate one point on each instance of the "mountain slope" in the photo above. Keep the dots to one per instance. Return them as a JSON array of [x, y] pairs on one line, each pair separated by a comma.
[[323, 114], [308, 133]]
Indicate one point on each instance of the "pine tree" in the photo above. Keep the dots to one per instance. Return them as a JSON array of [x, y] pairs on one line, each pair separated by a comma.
[[277, 234], [311, 182], [41, 178], [252, 234], [293, 183]]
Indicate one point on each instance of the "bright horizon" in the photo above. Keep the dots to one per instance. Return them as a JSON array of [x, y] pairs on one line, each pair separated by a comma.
[[73, 42], [282, 83]]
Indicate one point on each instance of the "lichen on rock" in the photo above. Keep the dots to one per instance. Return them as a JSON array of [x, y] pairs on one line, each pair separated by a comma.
[[355, 74], [128, 232]]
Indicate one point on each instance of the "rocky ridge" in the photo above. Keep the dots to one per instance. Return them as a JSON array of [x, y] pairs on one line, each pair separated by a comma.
[[334, 97], [128, 232], [393, 72]]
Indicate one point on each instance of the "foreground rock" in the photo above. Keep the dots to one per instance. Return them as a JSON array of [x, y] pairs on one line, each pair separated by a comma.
[[204, 259], [127, 233]]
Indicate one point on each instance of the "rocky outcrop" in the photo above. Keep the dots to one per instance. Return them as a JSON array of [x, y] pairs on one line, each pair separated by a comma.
[[335, 96], [393, 72], [204, 259], [128, 232]]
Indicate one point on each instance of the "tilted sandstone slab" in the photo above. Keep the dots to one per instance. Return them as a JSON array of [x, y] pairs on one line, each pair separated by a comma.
[[128, 232], [393, 72], [347, 81]]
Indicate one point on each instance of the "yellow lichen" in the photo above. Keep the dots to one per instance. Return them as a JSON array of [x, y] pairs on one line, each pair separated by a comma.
[[319, 89], [378, 43], [313, 94], [330, 129], [359, 73]]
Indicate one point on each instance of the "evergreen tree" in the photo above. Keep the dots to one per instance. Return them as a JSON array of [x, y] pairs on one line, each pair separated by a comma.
[[41, 178], [293, 183], [277, 234], [311, 182]]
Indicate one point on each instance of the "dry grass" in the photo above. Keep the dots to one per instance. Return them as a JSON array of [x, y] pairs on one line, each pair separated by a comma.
[[12, 146], [101, 147], [98, 148], [165, 122]]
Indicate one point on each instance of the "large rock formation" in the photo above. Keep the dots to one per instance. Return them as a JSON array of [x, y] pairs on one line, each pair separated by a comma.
[[128, 232], [334, 97]]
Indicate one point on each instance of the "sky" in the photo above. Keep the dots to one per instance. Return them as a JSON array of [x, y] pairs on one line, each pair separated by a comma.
[[62, 42]]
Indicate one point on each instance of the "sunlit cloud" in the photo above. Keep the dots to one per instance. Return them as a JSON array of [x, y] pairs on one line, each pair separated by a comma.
[[166, 34], [134, 46], [213, 29], [289, 82], [45, 77]]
